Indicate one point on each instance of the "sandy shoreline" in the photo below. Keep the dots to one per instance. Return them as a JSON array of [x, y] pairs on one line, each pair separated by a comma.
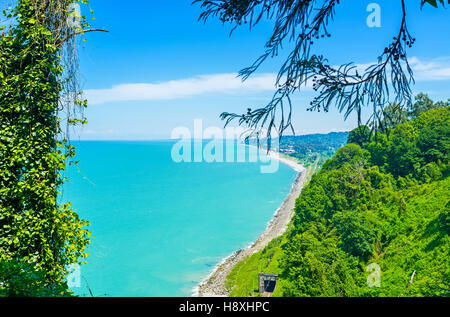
[[214, 284]]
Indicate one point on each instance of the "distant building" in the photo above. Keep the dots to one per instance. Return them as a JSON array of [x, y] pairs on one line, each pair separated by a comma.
[[288, 149]]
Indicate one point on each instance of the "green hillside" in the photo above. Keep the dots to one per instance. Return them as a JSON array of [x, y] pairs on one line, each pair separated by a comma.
[[312, 148], [383, 208]]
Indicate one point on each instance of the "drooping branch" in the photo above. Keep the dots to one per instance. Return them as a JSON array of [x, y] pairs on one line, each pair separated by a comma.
[[350, 91], [347, 87]]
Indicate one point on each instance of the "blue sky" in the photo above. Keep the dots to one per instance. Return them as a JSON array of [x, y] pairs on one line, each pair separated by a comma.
[[159, 68]]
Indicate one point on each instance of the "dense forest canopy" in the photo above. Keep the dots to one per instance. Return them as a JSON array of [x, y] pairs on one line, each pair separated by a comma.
[[312, 148], [386, 204]]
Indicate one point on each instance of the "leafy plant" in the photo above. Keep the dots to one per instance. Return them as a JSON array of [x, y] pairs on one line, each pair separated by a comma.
[[382, 205], [39, 236]]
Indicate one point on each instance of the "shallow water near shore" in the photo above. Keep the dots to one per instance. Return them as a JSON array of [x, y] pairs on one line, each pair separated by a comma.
[[160, 227]]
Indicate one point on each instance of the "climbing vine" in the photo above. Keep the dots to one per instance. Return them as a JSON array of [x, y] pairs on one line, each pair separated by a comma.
[[39, 101]]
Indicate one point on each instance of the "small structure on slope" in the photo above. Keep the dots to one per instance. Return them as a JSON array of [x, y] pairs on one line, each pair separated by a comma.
[[267, 283]]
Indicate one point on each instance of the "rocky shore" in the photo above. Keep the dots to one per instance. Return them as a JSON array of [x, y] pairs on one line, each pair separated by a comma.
[[214, 284]]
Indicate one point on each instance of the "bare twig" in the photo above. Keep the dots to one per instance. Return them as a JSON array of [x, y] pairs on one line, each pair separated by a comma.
[[80, 33], [409, 283]]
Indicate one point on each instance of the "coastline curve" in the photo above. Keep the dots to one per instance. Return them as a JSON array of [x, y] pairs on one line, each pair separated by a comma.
[[214, 284]]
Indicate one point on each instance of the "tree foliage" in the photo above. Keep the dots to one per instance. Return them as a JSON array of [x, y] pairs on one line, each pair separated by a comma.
[[23, 279], [312, 148], [387, 204], [392, 212], [423, 103], [360, 136], [39, 236]]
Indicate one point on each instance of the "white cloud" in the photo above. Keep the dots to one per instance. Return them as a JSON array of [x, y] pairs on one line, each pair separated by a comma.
[[431, 70], [176, 89], [437, 69]]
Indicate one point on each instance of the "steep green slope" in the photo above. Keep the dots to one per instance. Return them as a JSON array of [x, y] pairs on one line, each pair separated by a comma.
[[312, 147], [372, 222]]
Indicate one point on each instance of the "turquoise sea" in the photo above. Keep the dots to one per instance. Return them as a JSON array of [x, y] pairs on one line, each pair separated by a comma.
[[160, 227]]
